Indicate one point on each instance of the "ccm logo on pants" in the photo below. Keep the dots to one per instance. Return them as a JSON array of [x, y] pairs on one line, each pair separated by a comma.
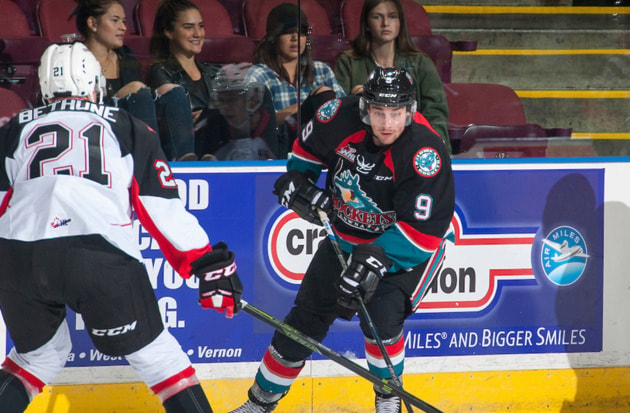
[[116, 331]]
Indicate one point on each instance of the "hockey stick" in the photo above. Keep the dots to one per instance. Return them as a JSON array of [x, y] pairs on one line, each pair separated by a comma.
[[384, 385], [364, 311]]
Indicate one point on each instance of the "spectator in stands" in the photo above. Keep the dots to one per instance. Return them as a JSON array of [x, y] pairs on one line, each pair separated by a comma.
[[384, 40], [278, 63], [102, 24], [178, 34]]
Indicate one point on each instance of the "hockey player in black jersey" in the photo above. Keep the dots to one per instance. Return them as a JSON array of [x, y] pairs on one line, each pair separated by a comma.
[[390, 196], [71, 173]]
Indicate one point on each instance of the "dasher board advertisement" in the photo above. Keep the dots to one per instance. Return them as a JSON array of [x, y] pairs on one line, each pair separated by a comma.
[[524, 274]]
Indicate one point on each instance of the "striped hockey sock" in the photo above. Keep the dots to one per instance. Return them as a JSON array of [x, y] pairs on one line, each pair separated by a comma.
[[395, 349], [275, 374]]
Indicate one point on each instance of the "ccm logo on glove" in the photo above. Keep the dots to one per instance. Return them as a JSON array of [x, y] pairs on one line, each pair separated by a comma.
[[287, 194], [221, 272], [219, 285]]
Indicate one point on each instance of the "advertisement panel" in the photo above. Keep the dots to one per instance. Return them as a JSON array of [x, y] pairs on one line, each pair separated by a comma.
[[524, 275]]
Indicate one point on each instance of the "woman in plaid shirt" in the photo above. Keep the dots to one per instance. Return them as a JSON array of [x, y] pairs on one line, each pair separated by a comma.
[[278, 61]]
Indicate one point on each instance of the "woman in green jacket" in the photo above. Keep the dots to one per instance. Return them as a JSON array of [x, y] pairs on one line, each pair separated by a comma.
[[384, 41]]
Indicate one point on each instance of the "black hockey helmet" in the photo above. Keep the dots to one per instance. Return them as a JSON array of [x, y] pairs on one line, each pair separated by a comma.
[[389, 87]]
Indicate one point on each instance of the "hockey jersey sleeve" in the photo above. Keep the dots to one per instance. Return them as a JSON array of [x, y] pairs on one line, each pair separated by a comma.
[[156, 202], [313, 150], [7, 134]]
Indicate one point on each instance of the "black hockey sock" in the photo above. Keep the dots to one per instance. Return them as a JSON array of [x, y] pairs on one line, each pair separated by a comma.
[[14, 398], [190, 400]]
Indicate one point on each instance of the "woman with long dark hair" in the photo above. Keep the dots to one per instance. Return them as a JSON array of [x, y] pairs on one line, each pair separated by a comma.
[[281, 58], [178, 37], [102, 23], [384, 41]]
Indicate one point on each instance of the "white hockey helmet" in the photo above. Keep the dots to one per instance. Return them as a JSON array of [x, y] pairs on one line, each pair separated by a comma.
[[232, 78], [70, 70]]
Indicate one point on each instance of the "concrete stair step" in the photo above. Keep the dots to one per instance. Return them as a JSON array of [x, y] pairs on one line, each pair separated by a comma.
[[587, 116], [569, 65], [570, 71], [534, 27], [540, 38]]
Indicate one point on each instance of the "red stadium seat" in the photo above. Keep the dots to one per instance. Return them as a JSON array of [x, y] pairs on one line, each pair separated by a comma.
[[19, 45], [483, 104], [438, 48], [328, 48], [333, 8], [20, 51], [416, 16], [235, 10], [12, 103], [489, 111], [28, 8], [227, 50], [255, 14], [130, 7], [53, 19], [13, 21], [496, 133], [214, 14]]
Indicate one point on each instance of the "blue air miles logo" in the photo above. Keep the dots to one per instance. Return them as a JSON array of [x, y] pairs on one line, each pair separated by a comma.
[[564, 255], [427, 162]]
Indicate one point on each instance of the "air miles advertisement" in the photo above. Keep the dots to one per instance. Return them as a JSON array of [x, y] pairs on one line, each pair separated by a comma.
[[524, 274]]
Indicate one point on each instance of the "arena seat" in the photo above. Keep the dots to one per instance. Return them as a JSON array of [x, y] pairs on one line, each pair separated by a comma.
[[235, 10], [487, 110], [416, 16], [255, 14], [20, 52], [130, 7], [497, 133], [12, 103], [227, 50], [28, 8], [438, 48], [13, 21], [19, 45], [54, 22], [215, 15], [328, 48], [333, 8], [483, 104]]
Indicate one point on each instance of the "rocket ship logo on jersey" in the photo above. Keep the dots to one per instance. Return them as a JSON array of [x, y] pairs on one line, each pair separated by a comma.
[[328, 110], [355, 208], [427, 162]]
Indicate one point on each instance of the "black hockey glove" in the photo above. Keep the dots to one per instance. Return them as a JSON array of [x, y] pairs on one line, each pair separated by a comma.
[[219, 285], [368, 264], [295, 191]]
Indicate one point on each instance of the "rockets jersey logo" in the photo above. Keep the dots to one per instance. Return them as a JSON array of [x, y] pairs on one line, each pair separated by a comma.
[[427, 162], [356, 208], [328, 110]]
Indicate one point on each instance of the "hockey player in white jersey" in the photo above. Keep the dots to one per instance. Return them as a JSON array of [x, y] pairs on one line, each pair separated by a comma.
[[72, 174]]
